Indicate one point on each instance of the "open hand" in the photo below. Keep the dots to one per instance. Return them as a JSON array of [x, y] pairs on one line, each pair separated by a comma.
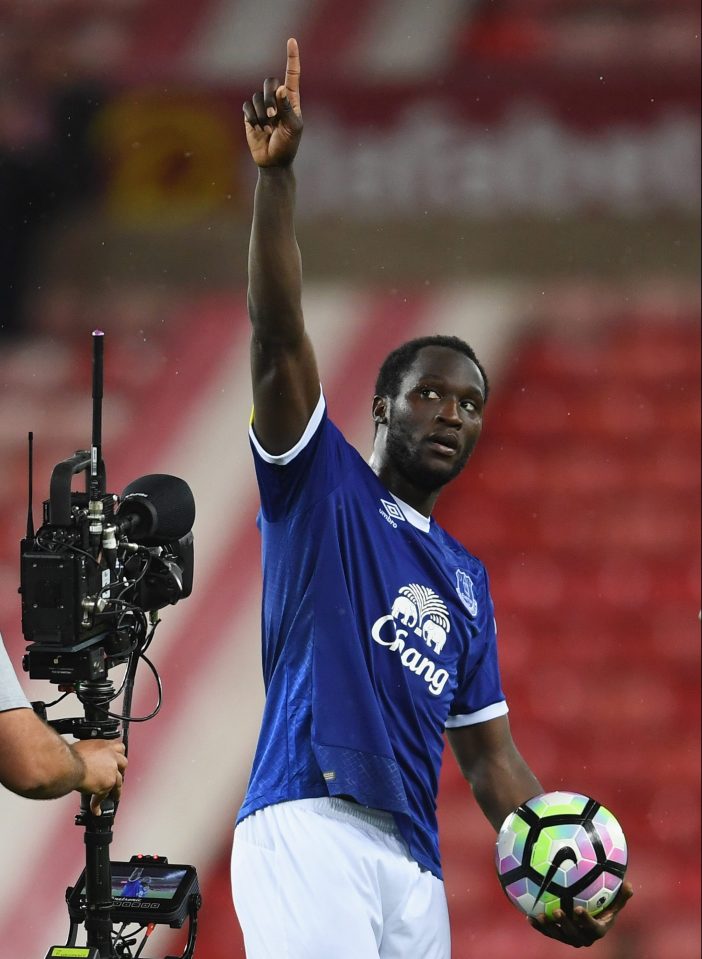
[[273, 118], [583, 929]]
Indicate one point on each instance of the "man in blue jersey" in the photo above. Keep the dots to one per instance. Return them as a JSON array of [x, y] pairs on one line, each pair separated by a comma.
[[137, 885], [378, 626]]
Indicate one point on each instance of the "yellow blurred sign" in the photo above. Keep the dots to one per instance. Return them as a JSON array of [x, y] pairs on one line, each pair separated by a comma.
[[170, 159]]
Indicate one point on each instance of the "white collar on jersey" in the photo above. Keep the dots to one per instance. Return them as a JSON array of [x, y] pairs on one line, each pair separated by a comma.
[[413, 516]]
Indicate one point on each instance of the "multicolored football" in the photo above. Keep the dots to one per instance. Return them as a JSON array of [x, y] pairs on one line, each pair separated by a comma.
[[561, 850]]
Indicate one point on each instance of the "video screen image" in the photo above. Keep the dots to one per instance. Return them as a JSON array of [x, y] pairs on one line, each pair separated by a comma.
[[144, 882]]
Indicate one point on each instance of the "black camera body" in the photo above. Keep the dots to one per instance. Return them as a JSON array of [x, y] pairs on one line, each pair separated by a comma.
[[95, 564]]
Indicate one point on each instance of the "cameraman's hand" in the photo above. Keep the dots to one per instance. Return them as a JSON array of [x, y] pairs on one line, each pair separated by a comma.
[[273, 118], [104, 763]]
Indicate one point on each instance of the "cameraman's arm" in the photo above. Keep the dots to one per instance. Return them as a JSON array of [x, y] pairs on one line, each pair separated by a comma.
[[37, 763]]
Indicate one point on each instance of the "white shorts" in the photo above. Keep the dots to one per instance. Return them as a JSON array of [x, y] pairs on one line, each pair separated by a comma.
[[328, 879]]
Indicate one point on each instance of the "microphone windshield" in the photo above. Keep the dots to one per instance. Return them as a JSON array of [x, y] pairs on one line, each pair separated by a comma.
[[156, 509]]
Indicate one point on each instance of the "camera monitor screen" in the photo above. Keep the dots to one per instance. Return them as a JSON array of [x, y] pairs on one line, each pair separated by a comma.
[[144, 890], [130, 881]]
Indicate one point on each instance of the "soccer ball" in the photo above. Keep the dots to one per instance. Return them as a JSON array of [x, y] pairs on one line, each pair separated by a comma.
[[560, 850]]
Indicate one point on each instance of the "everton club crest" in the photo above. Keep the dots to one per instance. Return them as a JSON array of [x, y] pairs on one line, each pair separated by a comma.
[[464, 588]]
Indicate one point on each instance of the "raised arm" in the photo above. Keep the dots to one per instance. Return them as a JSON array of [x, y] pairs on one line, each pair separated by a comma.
[[283, 365]]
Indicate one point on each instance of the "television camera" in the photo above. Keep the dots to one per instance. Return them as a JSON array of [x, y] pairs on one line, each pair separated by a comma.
[[92, 579]]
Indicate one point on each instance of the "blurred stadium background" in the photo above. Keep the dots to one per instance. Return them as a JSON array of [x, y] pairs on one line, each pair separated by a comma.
[[524, 173]]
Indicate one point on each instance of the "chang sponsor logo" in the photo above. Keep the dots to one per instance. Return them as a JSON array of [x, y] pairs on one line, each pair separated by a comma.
[[417, 612]]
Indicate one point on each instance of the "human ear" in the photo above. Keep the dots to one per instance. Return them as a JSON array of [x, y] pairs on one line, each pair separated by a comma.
[[379, 410]]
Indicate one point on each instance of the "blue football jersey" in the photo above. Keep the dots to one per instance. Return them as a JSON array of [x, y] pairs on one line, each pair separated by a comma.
[[378, 633]]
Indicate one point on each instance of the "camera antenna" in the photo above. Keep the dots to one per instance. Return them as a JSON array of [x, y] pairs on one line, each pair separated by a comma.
[[30, 516], [97, 477]]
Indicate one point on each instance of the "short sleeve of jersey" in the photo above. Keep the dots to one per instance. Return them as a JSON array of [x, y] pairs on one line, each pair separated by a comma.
[[479, 696], [292, 482], [11, 695]]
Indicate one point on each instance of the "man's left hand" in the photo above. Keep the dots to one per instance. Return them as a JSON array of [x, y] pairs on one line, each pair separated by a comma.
[[582, 929]]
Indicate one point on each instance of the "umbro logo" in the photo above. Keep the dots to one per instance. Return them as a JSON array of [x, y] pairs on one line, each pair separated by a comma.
[[391, 512]]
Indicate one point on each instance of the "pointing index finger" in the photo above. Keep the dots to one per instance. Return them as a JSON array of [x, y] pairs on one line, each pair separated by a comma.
[[292, 68]]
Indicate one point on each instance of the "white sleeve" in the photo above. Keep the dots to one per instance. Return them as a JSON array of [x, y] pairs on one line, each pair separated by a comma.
[[481, 716], [11, 694], [284, 458]]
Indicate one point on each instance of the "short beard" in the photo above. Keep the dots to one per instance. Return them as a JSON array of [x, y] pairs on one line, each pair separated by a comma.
[[405, 459]]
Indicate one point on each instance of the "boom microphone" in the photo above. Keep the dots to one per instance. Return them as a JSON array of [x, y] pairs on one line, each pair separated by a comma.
[[156, 509]]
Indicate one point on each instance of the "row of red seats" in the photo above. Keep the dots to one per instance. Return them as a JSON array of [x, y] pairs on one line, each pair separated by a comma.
[[599, 468], [587, 484]]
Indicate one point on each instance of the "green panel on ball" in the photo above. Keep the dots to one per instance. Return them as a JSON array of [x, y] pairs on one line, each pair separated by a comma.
[[571, 804], [541, 853], [519, 826], [550, 903]]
